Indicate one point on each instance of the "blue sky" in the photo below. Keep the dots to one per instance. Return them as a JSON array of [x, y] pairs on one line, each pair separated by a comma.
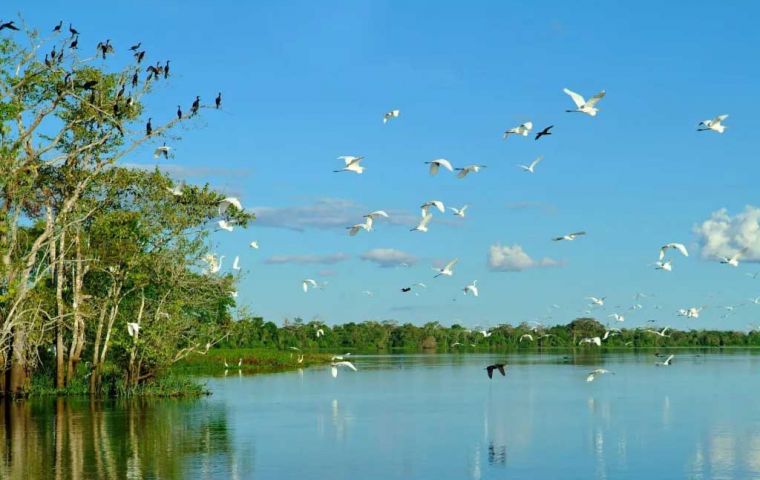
[[304, 82]]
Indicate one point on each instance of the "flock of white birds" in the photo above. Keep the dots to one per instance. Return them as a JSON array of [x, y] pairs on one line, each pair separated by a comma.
[[353, 164]]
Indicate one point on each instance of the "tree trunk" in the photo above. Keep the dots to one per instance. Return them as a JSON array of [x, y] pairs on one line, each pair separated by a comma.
[[19, 379], [56, 258]]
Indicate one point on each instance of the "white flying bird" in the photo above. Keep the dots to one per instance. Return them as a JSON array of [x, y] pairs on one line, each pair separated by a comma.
[[345, 363], [254, 244], [236, 263], [367, 225], [320, 332], [599, 302], [432, 203], [339, 357], [162, 150], [225, 204], [668, 361], [447, 270], [734, 259], [617, 317], [715, 124], [526, 336], [423, 225], [523, 129], [176, 190], [459, 212], [471, 288], [308, 283], [583, 106], [599, 371], [531, 168], [437, 163], [372, 216], [666, 266], [692, 312], [390, 115], [225, 225], [677, 246], [595, 340], [469, 169], [569, 237], [133, 329], [352, 164], [485, 333], [610, 333], [661, 333]]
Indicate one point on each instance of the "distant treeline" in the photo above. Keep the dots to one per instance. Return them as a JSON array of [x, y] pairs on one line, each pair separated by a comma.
[[372, 336]]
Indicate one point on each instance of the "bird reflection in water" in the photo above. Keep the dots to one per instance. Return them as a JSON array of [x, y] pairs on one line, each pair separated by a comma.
[[497, 454]]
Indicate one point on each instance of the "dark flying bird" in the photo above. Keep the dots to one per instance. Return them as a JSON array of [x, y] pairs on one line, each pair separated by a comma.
[[196, 105], [8, 25], [496, 366], [58, 27], [135, 47], [218, 100], [406, 289], [149, 128], [545, 131]]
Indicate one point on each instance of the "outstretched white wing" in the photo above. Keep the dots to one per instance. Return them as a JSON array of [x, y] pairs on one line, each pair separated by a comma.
[[595, 99], [577, 99]]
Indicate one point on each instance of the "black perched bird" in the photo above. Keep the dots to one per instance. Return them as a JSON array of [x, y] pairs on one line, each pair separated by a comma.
[[196, 105], [545, 131], [135, 79], [166, 69], [89, 85], [47, 61], [218, 100], [149, 128], [73, 30], [74, 43], [121, 90], [152, 71], [179, 112], [105, 48], [116, 109], [8, 25], [496, 366], [139, 56], [135, 47], [58, 27]]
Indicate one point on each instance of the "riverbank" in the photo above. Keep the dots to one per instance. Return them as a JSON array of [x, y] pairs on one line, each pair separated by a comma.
[[251, 360]]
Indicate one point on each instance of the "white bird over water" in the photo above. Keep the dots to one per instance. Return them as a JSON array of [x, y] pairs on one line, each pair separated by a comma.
[[677, 246], [471, 288], [661, 333], [734, 259], [391, 115], [526, 336], [595, 340], [569, 237], [447, 270], [531, 168], [236, 263], [432, 203], [437, 163], [583, 106], [308, 283], [352, 164], [668, 361], [344, 363], [598, 301], [459, 212], [715, 124], [595, 373], [423, 225], [523, 129], [463, 171]]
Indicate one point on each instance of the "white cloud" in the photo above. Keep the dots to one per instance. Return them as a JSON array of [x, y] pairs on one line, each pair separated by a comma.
[[722, 235], [330, 259], [323, 214], [388, 257], [514, 259]]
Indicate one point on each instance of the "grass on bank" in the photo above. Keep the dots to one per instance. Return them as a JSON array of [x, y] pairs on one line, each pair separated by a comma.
[[254, 360]]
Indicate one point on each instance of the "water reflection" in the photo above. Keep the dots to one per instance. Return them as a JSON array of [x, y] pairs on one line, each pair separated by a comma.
[[114, 439]]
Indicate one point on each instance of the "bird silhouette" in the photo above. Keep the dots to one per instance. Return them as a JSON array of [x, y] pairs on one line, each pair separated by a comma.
[[196, 105], [218, 100], [8, 25], [496, 366], [545, 131], [57, 28], [149, 128]]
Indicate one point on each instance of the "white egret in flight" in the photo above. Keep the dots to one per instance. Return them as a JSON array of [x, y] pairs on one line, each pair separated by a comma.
[[569, 237], [531, 168], [390, 115], [344, 363], [432, 203], [308, 283], [595, 340], [522, 129], [661, 333], [463, 171], [447, 270], [668, 361], [254, 244], [423, 225], [595, 373], [162, 150], [617, 317], [666, 266], [677, 246], [133, 329], [471, 288], [715, 124], [583, 106], [225, 225], [734, 259], [437, 163], [459, 212], [352, 164], [225, 204], [236, 263], [598, 301]]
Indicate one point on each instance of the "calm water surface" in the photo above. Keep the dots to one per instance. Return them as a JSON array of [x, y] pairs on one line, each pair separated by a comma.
[[414, 416]]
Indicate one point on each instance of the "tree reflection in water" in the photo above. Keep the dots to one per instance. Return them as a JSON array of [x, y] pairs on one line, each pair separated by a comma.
[[140, 438]]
